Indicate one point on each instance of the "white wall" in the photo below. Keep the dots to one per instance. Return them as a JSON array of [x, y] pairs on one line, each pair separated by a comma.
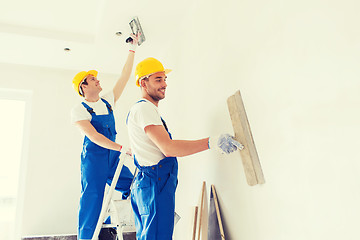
[[296, 64]]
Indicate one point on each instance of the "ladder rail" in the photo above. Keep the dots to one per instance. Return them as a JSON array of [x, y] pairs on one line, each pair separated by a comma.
[[108, 197]]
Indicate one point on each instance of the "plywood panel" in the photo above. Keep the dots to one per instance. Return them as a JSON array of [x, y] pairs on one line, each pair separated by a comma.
[[215, 230]]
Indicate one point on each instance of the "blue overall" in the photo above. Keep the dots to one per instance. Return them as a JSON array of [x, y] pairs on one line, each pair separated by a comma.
[[98, 166], [153, 199]]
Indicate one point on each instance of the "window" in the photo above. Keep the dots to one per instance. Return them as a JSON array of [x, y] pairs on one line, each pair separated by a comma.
[[13, 107]]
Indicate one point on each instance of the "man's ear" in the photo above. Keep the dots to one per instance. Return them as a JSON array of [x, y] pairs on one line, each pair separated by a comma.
[[83, 88], [142, 83]]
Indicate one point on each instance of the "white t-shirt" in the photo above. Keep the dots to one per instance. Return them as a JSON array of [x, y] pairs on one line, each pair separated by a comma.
[[79, 112], [143, 114]]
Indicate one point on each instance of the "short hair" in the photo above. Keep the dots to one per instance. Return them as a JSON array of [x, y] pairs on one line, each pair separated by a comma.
[[80, 88]]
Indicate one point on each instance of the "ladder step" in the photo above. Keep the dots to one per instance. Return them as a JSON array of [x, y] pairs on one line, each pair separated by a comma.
[[129, 235], [109, 225]]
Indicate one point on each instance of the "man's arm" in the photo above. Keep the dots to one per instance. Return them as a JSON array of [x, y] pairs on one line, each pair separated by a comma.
[[126, 72], [88, 129], [125, 75], [174, 148]]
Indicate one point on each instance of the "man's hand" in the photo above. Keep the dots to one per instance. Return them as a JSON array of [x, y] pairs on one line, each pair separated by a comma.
[[126, 150], [225, 143], [134, 42]]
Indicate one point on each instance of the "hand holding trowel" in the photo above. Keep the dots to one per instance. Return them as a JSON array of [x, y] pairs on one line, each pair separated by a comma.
[[136, 30]]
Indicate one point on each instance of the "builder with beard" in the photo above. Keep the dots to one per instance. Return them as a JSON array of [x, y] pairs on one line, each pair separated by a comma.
[[155, 152]]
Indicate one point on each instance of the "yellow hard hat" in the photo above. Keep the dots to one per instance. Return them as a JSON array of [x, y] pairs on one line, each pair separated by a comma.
[[80, 77], [147, 67]]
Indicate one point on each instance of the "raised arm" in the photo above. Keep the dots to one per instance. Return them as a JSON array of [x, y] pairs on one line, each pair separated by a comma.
[[126, 72]]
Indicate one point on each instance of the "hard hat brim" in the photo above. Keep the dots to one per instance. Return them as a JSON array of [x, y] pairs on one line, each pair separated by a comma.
[[166, 71]]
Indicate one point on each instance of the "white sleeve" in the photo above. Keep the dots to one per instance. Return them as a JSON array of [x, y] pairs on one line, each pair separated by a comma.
[[146, 115], [79, 113]]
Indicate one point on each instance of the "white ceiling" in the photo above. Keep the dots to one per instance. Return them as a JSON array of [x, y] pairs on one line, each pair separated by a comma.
[[36, 32]]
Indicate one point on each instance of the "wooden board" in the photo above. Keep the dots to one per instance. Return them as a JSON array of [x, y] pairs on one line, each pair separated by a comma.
[[201, 209], [215, 229], [250, 159], [195, 222]]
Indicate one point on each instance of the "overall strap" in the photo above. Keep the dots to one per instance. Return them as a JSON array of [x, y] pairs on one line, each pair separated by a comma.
[[164, 123], [107, 105], [138, 167], [89, 109]]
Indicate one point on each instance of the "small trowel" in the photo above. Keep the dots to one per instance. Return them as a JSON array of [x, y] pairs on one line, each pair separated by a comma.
[[136, 28]]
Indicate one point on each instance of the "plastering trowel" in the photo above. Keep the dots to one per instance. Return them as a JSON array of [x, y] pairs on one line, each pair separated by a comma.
[[136, 28]]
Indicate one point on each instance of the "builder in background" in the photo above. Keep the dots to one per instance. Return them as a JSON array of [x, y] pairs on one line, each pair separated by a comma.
[[153, 193], [100, 155]]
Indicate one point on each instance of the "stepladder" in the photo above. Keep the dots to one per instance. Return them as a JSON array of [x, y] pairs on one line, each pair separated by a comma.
[[119, 211]]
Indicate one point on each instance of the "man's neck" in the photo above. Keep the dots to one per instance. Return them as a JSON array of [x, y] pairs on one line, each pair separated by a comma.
[[147, 97], [92, 98]]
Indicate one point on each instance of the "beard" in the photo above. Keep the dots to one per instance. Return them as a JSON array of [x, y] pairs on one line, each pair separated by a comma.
[[156, 95]]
